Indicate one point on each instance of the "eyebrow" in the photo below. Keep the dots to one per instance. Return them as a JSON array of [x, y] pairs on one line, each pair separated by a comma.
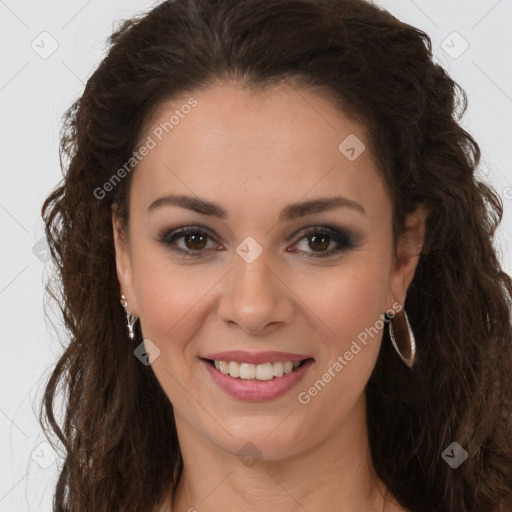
[[291, 212]]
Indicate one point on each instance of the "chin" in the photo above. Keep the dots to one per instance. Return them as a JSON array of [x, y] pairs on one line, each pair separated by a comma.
[[262, 441]]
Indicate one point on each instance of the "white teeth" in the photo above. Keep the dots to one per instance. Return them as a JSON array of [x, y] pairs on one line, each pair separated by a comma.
[[265, 371], [247, 371], [278, 369], [224, 367], [234, 369]]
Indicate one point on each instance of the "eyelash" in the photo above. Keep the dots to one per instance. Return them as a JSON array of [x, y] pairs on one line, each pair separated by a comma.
[[336, 235]]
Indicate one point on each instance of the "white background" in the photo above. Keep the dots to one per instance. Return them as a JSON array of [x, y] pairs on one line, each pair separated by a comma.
[[35, 92]]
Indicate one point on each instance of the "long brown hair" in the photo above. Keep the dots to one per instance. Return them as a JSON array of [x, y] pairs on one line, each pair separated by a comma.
[[118, 431]]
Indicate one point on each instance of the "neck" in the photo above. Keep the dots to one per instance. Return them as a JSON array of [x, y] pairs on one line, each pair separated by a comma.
[[334, 474]]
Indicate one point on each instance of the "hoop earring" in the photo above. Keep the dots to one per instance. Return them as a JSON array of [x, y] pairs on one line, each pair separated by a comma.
[[130, 319], [404, 342]]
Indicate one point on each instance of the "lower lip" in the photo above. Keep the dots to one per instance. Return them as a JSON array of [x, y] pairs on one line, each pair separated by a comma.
[[257, 390]]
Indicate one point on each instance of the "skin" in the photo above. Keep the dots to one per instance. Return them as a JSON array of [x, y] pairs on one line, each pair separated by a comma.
[[254, 155]]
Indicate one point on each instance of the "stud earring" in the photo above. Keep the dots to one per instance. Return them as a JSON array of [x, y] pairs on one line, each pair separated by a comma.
[[402, 337], [130, 319]]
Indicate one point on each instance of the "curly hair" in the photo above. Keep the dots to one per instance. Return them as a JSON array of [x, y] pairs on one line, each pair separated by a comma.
[[118, 426]]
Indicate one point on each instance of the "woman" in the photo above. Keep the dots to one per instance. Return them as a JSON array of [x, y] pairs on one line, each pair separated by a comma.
[[278, 271]]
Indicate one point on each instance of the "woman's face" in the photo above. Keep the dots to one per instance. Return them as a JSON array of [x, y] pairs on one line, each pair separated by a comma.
[[290, 245]]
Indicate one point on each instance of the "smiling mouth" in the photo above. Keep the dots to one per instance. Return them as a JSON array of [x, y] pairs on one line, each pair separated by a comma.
[[256, 372]]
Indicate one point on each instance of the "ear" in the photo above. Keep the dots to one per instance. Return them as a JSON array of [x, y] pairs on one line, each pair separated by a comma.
[[408, 251], [124, 266]]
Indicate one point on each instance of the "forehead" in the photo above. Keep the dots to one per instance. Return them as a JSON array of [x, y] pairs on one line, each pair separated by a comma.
[[285, 142]]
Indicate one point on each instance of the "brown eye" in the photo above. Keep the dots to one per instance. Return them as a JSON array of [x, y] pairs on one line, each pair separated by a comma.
[[319, 240], [322, 241], [194, 242]]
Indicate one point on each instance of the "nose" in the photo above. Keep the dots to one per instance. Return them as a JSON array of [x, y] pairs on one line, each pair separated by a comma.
[[255, 296]]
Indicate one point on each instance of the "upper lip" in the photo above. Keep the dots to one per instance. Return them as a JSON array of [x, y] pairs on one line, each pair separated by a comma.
[[243, 356]]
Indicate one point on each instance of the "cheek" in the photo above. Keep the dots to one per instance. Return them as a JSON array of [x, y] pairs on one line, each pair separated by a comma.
[[167, 294], [342, 300], [353, 312], [348, 299], [350, 306]]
